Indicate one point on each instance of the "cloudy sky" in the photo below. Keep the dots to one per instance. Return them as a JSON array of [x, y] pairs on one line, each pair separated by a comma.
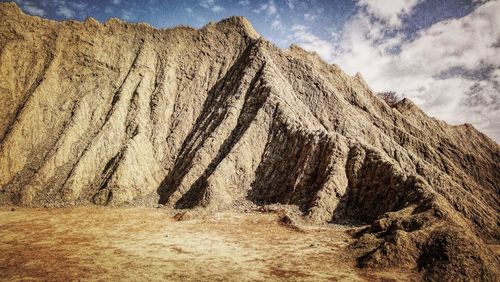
[[442, 54]]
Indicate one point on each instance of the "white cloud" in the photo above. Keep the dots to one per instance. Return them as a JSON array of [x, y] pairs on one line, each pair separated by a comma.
[[117, 2], [127, 15], [307, 40], [217, 8], [271, 12], [244, 3], [451, 69], [269, 8], [276, 24], [390, 11], [210, 4], [65, 12], [309, 17], [290, 4], [31, 8]]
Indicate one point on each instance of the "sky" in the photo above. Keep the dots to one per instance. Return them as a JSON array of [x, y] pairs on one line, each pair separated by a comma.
[[442, 54]]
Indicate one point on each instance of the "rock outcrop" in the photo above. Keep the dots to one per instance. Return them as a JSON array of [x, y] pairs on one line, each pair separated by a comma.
[[124, 114]]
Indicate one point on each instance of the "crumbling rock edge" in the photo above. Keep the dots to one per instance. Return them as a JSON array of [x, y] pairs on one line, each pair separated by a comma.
[[124, 114]]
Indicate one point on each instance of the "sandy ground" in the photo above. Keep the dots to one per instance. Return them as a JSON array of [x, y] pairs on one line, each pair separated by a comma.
[[93, 243]]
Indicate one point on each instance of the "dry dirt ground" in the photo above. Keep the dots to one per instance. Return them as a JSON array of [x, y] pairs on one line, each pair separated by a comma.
[[94, 243]]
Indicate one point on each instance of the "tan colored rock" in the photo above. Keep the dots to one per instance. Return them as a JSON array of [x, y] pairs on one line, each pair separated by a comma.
[[123, 114]]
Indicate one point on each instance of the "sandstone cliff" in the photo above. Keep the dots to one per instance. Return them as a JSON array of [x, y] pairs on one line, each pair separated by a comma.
[[124, 114]]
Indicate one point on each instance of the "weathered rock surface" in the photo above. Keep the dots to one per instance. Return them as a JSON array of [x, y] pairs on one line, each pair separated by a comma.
[[124, 114]]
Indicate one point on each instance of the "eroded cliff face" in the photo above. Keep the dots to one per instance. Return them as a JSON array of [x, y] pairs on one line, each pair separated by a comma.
[[124, 114]]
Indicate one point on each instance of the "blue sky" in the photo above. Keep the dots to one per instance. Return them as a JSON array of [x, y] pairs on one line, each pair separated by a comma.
[[442, 54], [272, 19]]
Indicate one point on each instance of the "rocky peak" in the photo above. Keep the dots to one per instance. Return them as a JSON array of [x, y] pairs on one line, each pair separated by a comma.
[[10, 8], [241, 24], [124, 114]]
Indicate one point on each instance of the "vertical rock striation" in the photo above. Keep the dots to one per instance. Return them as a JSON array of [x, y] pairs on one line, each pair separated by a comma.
[[124, 114]]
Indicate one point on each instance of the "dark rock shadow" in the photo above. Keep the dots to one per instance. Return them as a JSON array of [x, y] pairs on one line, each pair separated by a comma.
[[374, 188], [214, 111], [293, 168]]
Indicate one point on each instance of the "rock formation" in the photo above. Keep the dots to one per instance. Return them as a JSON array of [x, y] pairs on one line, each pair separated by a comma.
[[124, 114]]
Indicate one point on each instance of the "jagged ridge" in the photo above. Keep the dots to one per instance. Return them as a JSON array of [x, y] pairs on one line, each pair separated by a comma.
[[124, 114]]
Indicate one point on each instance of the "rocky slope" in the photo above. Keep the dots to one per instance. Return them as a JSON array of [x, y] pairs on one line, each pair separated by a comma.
[[124, 114]]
